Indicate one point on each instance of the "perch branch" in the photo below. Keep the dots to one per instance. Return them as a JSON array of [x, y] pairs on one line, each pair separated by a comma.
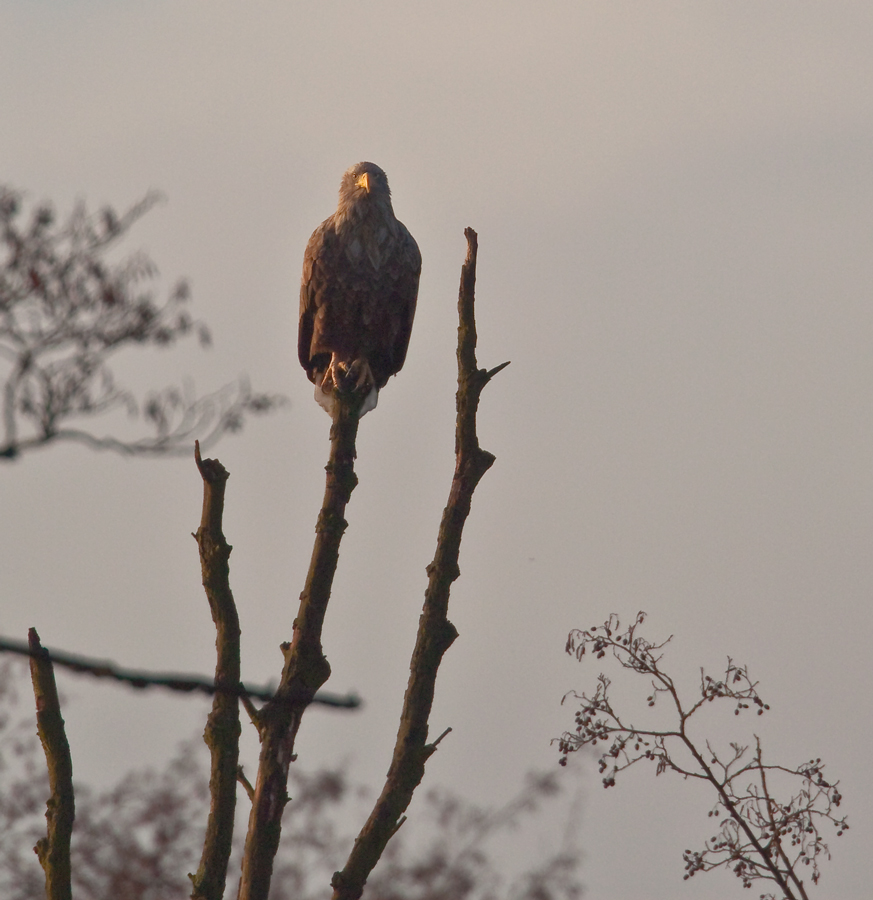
[[435, 632], [306, 667]]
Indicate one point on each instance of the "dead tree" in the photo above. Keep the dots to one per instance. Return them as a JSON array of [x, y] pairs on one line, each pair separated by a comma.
[[305, 667]]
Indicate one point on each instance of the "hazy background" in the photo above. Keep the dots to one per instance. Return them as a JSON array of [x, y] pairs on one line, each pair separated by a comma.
[[675, 209]]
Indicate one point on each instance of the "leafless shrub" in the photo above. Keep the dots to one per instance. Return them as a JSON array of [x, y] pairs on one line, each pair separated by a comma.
[[761, 836]]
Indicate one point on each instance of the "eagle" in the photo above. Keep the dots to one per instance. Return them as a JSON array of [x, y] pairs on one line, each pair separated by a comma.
[[358, 292]]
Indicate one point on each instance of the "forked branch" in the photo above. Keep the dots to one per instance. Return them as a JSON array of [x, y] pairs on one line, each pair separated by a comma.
[[306, 667]]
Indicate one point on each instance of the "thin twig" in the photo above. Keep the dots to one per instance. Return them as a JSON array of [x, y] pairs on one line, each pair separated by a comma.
[[769, 805]]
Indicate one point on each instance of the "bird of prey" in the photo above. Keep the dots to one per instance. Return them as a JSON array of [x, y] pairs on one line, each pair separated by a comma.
[[358, 293]]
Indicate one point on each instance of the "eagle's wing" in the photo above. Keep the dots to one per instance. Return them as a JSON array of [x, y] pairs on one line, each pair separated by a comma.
[[406, 293], [312, 287]]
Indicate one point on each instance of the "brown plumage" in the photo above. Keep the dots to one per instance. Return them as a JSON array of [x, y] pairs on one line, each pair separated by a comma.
[[358, 292]]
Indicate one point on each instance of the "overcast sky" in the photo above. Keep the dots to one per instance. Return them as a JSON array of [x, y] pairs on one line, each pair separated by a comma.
[[675, 209]]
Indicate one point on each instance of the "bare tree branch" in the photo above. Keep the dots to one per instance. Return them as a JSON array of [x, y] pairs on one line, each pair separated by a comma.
[[185, 683], [54, 849], [222, 725], [306, 667], [435, 632]]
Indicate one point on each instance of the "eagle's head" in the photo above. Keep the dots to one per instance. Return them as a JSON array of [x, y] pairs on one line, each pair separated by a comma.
[[364, 187]]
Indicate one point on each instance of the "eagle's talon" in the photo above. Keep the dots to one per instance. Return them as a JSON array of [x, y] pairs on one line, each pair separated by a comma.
[[347, 378], [365, 380], [334, 377]]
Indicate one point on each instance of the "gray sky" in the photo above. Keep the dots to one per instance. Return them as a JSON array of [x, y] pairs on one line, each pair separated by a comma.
[[675, 209]]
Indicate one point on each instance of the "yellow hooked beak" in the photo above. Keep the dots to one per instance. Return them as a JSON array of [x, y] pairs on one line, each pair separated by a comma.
[[364, 182]]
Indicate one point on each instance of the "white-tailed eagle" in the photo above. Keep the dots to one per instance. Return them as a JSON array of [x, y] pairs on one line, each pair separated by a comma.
[[358, 293]]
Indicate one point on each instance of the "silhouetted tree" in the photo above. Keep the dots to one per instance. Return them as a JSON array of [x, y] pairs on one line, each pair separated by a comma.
[[65, 311], [768, 815]]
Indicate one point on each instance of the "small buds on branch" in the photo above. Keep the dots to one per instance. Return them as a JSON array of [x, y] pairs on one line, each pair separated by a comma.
[[759, 836]]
